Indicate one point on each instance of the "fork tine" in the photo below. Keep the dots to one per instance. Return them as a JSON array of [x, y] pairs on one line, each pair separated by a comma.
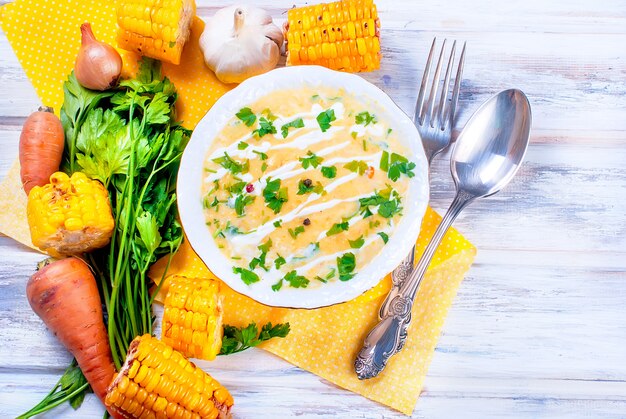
[[435, 85], [420, 97], [443, 97], [457, 86]]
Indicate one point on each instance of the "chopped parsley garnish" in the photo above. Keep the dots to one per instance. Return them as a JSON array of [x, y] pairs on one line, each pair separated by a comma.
[[338, 228], [357, 166], [274, 195], [246, 116], [325, 118], [329, 171], [247, 276], [328, 276], [263, 167], [296, 123], [279, 261], [266, 126], [357, 243], [374, 224], [354, 134], [387, 201], [260, 261], [294, 233], [262, 156], [231, 165], [265, 247], [384, 236], [310, 160], [239, 339], [305, 187], [268, 114], [365, 118], [294, 280], [236, 188], [278, 223], [241, 202], [242, 145], [346, 265], [396, 165]]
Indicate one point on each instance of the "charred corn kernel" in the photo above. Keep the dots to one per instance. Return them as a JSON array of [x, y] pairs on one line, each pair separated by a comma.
[[315, 34], [155, 29], [69, 215], [166, 387], [192, 318]]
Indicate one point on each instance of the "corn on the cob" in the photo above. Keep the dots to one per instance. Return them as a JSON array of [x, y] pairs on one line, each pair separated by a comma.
[[157, 29], [157, 381], [192, 320], [343, 35], [69, 215]]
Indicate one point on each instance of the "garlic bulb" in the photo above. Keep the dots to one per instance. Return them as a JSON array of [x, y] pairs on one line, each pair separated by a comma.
[[239, 42]]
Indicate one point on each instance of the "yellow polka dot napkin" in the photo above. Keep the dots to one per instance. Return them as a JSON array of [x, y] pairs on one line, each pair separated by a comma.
[[45, 37]]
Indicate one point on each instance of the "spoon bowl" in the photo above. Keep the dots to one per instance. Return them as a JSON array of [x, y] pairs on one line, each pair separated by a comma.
[[486, 156], [492, 145]]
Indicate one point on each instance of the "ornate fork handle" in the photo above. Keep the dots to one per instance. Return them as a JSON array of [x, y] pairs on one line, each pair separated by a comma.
[[389, 335]]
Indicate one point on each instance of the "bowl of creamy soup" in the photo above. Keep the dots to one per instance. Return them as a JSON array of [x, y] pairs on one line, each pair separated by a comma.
[[303, 187]]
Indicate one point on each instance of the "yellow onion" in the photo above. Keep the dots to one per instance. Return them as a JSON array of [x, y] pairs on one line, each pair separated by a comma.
[[98, 65]]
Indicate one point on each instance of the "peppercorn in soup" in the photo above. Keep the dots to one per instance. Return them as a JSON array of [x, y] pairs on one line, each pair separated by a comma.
[[304, 187]]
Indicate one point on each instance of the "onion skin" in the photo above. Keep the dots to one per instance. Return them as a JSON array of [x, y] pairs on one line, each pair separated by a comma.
[[98, 65]]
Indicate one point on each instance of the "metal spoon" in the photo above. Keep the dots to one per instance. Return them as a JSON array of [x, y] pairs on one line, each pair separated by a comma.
[[486, 156]]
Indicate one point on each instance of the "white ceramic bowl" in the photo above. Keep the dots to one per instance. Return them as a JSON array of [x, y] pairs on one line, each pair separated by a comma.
[[191, 173]]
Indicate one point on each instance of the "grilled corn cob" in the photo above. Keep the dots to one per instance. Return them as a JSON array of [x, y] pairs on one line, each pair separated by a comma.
[[69, 215], [157, 381], [343, 35], [156, 29], [192, 320]]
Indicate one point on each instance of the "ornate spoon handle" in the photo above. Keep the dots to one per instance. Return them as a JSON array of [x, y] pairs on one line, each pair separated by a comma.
[[388, 336]]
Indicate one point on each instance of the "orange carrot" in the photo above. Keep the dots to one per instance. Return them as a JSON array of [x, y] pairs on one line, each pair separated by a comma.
[[65, 296], [41, 148]]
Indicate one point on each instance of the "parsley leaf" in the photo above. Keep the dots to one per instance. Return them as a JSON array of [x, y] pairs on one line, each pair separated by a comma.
[[260, 261], [278, 223], [294, 280], [357, 243], [325, 118], [357, 166], [241, 202], [231, 165], [242, 145], [338, 228], [384, 236], [384, 161], [296, 123], [262, 156], [318, 188], [279, 261], [387, 205], [246, 116], [345, 265], [329, 171], [294, 233], [265, 127], [236, 188], [396, 165], [239, 339], [248, 277], [274, 195], [365, 118], [310, 160]]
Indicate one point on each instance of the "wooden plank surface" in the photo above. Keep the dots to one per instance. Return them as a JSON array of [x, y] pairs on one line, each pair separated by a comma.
[[538, 328]]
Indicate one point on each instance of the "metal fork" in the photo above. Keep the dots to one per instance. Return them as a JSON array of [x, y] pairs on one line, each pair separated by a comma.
[[434, 119], [435, 126]]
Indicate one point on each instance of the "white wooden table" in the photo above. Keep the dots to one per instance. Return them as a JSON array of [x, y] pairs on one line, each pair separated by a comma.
[[539, 325]]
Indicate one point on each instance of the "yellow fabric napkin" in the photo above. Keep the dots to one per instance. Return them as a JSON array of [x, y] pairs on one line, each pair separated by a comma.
[[45, 37]]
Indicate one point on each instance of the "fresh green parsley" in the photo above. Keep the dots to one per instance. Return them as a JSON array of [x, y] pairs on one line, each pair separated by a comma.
[[294, 280], [247, 276], [387, 201], [241, 202], [237, 340], [278, 223], [338, 228], [266, 126], [232, 165], [357, 243], [384, 236], [262, 156], [357, 166], [318, 188], [274, 195], [236, 188], [365, 118], [327, 277], [296, 123], [329, 172], [396, 165], [325, 118], [260, 261], [345, 266], [263, 167], [242, 145], [279, 261], [246, 116], [310, 160], [295, 232]]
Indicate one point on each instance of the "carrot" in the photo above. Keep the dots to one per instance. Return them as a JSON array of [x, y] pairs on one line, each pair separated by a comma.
[[41, 148], [65, 296]]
